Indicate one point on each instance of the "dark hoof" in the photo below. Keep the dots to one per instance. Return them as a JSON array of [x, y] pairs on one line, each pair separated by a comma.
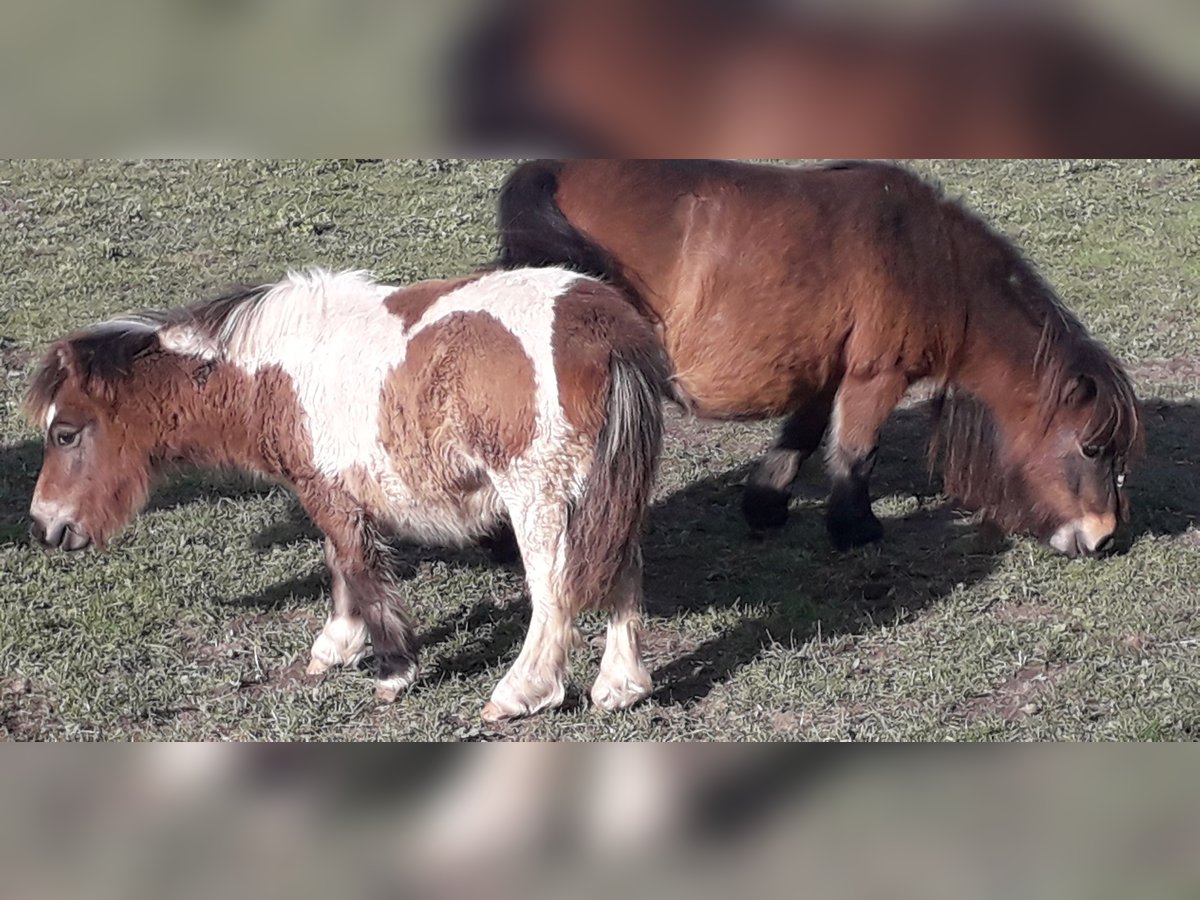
[[848, 533], [764, 508], [501, 545]]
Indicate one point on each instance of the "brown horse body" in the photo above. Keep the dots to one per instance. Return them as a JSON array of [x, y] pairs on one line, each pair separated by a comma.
[[434, 412], [822, 294]]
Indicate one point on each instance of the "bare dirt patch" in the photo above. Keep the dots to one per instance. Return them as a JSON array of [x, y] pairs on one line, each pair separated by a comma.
[[1016, 698], [14, 359], [24, 710], [1014, 613]]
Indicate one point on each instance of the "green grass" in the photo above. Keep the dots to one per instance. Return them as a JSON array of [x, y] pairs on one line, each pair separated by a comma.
[[197, 622]]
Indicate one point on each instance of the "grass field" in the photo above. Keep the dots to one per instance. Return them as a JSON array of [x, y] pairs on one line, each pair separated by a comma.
[[197, 622]]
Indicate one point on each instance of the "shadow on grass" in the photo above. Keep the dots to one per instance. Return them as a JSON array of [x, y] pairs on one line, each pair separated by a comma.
[[19, 465], [701, 559]]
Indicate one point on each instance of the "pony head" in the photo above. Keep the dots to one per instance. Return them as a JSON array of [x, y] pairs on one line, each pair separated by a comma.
[[1055, 467], [97, 468]]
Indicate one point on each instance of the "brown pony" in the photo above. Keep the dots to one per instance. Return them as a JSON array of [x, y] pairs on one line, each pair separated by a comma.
[[821, 294], [434, 411]]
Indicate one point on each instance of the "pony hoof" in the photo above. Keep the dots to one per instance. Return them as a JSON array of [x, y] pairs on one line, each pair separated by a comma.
[[509, 703], [493, 713], [850, 533], [387, 690], [621, 692], [764, 508]]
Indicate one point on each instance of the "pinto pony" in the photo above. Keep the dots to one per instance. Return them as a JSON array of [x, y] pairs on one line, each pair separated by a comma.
[[435, 411], [821, 294]]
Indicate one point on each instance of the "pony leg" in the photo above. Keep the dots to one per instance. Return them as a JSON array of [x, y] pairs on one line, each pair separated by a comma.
[[861, 408], [537, 680], [767, 493], [623, 678], [362, 561], [343, 640]]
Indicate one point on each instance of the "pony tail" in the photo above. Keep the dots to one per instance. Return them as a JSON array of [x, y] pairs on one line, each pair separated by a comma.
[[604, 529], [535, 232]]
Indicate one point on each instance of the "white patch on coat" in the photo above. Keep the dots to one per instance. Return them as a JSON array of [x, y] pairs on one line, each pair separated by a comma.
[[524, 302], [337, 341]]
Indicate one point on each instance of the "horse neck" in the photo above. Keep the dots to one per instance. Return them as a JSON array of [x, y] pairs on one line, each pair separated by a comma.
[[193, 413], [998, 366]]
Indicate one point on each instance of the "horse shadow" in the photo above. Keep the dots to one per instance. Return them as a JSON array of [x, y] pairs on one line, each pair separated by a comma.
[[19, 465], [788, 586]]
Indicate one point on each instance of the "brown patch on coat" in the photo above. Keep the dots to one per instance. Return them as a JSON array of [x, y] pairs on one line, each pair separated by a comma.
[[410, 303], [465, 391], [592, 321]]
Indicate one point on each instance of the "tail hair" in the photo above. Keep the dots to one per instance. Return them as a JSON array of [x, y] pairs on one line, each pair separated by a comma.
[[535, 232], [604, 530]]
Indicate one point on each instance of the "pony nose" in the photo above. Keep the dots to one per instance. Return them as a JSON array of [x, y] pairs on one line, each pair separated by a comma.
[[57, 532], [48, 534], [1087, 536]]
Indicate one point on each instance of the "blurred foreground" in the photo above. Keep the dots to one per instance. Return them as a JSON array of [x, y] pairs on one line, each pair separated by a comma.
[[753, 78], [542, 821]]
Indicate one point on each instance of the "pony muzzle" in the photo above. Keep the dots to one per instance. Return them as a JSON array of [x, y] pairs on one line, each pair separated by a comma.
[[58, 532], [1086, 536]]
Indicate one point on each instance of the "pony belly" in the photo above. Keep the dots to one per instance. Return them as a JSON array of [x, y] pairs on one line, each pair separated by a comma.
[[445, 517]]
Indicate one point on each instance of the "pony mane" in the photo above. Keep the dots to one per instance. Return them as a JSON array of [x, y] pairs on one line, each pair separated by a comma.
[[103, 355], [967, 437]]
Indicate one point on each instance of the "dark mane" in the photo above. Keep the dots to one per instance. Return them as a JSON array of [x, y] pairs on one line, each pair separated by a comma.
[[1067, 359], [102, 356]]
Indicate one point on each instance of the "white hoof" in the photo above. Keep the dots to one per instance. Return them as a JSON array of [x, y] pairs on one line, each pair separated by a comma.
[[621, 690], [512, 701], [388, 689], [342, 642]]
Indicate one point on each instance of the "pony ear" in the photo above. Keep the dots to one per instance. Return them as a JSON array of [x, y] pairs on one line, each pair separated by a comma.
[[1080, 390]]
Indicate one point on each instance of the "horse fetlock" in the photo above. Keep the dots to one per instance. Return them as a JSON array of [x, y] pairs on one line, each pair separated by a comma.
[[342, 642], [517, 696]]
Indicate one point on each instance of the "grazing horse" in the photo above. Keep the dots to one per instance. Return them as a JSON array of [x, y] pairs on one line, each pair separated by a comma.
[[821, 294], [435, 411]]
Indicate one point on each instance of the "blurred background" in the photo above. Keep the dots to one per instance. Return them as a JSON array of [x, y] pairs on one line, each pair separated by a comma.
[[538, 821], [749, 78]]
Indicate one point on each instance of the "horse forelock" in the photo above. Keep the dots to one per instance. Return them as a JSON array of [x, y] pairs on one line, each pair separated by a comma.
[[1115, 422], [97, 359]]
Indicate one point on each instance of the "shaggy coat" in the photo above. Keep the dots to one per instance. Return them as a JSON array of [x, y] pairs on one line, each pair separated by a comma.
[[435, 412], [822, 294]]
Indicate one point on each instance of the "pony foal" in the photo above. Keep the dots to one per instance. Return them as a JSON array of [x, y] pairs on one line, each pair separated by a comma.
[[433, 411]]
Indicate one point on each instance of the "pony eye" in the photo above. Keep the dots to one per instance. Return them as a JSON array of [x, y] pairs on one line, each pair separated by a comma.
[[1091, 451], [65, 437]]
